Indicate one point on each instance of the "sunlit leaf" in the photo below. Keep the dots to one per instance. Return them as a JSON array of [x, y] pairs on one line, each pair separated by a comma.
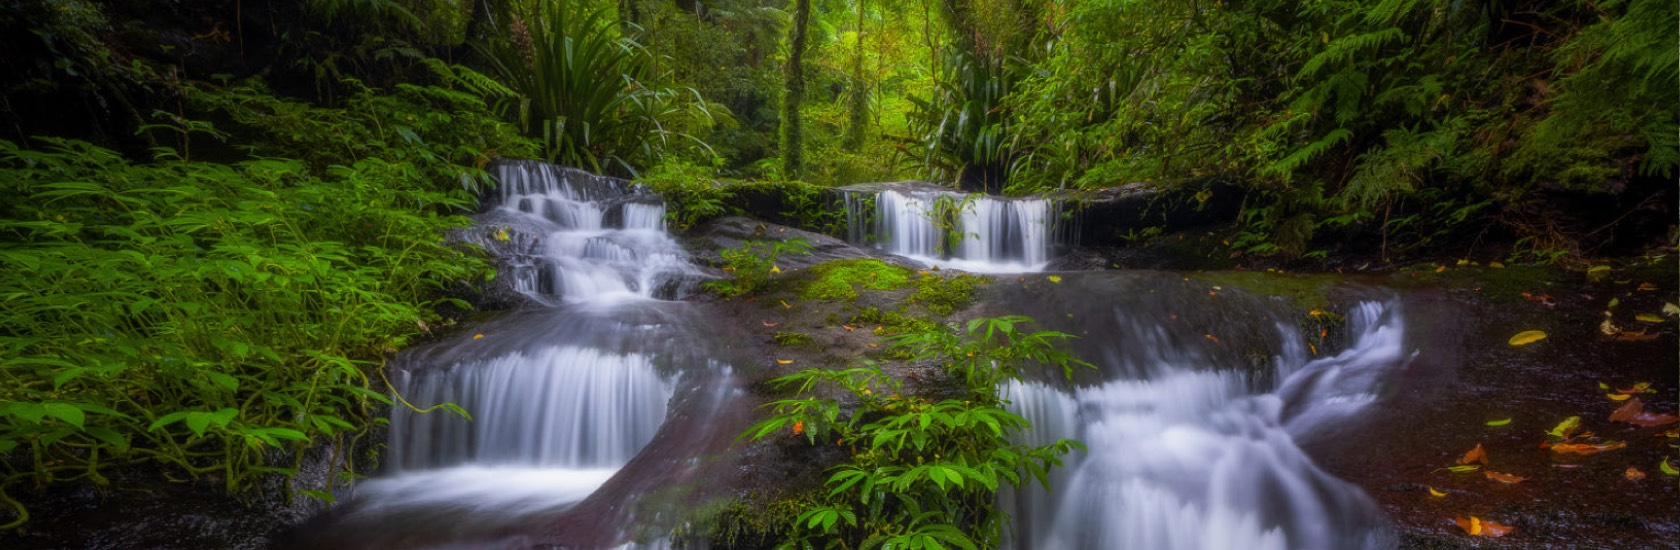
[[1565, 428], [768, 324], [1587, 448], [1503, 478], [1632, 336], [1436, 493], [1633, 474], [1500, 422], [1671, 310], [784, 361], [479, 336], [1617, 396], [1527, 337], [1463, 468], [1647, 286], [1649, 318], [1054, 278]]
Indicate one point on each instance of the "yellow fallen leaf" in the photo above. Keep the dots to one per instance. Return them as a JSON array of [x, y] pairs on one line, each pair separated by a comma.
[[1667, 469], [1527, 337], [785, 304], [1648, 318], [1478, 527], [1633, 474], [1054, 278], [1671, 310], [1617, 396], [1563, 429], [1496, 265], [479, 336], [1435, 493], [784, 361]]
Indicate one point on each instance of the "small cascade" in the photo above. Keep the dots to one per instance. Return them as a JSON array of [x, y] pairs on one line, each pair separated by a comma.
[[1186, 456], [971, 232], [565, 235]]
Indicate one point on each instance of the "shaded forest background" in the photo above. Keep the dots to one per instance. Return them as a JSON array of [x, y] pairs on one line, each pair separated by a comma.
[[221, 216]]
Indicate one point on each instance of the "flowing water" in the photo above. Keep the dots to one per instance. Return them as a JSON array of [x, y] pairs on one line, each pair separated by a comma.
[[562, 394], [1192, 446], [971, 232], [603, 390]]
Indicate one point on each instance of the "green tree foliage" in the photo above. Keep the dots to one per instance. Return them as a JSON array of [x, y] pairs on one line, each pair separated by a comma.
[[923, 473]]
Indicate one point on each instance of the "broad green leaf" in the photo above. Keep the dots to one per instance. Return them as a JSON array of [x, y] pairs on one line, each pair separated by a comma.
[[66, 412]]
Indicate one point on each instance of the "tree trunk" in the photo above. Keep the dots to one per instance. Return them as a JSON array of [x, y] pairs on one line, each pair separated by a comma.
[[859, 107], [793, 157]]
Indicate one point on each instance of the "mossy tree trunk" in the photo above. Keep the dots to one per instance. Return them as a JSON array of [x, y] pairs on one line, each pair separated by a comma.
[[793, 158]]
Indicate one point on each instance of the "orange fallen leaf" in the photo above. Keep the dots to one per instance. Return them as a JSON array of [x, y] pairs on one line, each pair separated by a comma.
[[1477, 454], [848, 328], [1633, 474], [798, 427], [1502, 478], [1633, 412], [1587, 448], [768, 324], [1647, 286], [1477, 527], [479, 336], [1631, 336], [1210, 337], [784, 361], [1638, 387], [1439, 269]]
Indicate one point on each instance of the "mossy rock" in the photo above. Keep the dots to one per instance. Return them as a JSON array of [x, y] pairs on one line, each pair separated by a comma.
[[941, 296], [837, 281]]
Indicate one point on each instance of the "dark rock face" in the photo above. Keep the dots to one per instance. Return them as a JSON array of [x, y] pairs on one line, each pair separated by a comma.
[[733, 232], [1118, 215]]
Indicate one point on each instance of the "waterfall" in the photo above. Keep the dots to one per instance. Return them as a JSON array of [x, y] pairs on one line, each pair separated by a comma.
[[1191, 457], [971, 232], [565, 235]]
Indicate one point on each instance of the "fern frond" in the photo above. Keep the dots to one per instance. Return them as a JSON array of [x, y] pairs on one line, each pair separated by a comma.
[[1287, 165], [1343, 50]]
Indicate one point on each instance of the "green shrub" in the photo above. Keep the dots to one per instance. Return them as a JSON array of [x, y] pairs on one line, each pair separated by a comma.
[[923, 474], [751, 265]]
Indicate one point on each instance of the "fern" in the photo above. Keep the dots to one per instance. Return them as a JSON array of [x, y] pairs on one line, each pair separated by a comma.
[[1300, 157], [1343, 50]]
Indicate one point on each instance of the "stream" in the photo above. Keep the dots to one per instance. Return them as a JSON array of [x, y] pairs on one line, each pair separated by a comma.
[[607, 388]]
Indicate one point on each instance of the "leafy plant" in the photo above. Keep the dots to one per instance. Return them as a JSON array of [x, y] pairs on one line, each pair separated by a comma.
[[922, 473], [591, 93]]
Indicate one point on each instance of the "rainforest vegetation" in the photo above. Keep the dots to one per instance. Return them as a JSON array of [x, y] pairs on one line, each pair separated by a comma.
[[219, 218]]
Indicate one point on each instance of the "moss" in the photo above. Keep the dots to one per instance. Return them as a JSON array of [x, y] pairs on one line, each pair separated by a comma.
[[1304, 292], [942, 296], [893, 322], [738, 523], [838, 280], [792, 339]]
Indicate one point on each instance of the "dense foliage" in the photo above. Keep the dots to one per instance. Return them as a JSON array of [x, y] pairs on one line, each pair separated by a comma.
[[922, 473]]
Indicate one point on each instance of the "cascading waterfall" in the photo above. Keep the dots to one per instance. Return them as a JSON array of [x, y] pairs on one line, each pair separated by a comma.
[[566, 235], [560, 395], [977, 233], [1184, 456]]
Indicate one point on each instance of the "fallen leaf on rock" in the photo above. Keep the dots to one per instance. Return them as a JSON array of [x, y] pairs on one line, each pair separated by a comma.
[[1647, 286], [1633, 412], [1211, 337], [1587, 448], [848, 328], [1667, 469], [1477, 454], [1503, 478], [1462, 468], [1055, 278], [1500, 422], [1563, 429], [1671, 310], [1633, 474], [1439, 269], [768, 324], [1543, 299], [1638, 387], [479, 336], [1617, 396], [1626, 336], [784, 361], [1527, 337], [1478, 527], [1648, 318], [1436, 493], [785, 304]]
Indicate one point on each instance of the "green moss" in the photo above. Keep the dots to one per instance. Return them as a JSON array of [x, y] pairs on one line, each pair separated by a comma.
[[791, 339], [942, 296], [893, 322], [838, 280], [743, 523], [1304, 292]]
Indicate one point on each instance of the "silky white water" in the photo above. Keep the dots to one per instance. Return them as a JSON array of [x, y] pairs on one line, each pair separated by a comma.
[[1191, 458], [976, 233]]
